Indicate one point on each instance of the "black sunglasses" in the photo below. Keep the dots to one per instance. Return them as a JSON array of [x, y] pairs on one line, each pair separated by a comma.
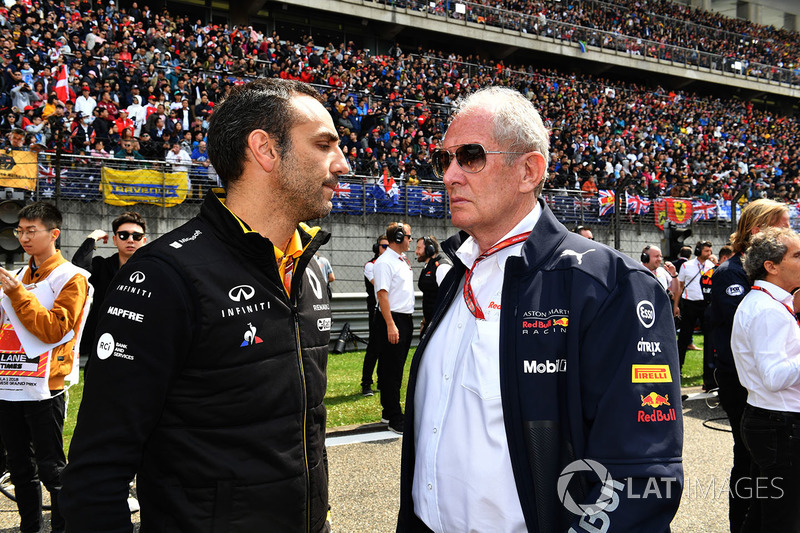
[[384, 246], [470, 157], [125, 234]]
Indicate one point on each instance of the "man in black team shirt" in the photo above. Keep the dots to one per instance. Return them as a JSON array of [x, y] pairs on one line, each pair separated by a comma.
[[433, 272]]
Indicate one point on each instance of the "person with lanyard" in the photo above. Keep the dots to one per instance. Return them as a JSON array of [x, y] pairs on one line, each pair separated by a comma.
[[766, 348], [547, 351], [49, 300], [666, 274], [371, 353], [209, 372], [432, 274], [689, 302], [729, 287], [394, 289]]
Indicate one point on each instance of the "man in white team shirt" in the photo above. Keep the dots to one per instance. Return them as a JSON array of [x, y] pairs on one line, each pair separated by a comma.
[[766, 348], [665, 273], [689, 302]]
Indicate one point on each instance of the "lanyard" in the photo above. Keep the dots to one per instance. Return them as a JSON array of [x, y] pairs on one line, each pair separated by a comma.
[[469, 296], [762, 289]]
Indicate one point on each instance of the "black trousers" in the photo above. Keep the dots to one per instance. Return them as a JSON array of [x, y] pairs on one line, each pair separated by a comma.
[[33, 434], [733, 398], [371, 355], [773, 440], [691, 312], [392, 362]]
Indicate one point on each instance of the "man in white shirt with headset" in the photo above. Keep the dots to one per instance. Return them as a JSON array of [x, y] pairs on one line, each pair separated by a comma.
[[766, 348], [689, 301]]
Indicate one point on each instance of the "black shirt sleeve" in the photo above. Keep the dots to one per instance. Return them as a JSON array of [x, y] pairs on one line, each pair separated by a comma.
[[143, 334]]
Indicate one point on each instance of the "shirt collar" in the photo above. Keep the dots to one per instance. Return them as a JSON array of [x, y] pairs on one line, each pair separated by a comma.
[[776, 292], [295, 248], [468, 252]]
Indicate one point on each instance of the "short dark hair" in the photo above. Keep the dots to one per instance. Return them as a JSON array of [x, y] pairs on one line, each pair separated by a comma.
[[264, 104], [46, 212], [129, 217]]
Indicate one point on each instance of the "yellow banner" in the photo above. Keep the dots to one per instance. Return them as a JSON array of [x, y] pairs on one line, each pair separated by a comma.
[[128, 187], [18, 169]]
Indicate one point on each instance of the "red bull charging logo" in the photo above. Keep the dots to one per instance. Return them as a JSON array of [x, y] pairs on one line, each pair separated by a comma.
[[655, 400]]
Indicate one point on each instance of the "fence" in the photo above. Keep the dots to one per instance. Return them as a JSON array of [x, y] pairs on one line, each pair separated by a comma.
[[91, 192]]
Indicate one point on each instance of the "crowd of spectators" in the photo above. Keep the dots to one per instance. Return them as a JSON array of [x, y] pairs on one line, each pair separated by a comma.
[[656, 28], [141, 86]]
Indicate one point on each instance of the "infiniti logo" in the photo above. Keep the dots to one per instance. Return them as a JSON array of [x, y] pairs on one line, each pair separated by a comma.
[[241, 292], [137, 277]]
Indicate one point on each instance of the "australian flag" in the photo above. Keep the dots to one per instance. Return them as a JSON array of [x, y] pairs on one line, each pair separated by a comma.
[[348, 198]]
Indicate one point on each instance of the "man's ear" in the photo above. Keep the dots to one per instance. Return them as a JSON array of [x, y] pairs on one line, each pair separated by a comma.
[[263, 149], [55, 232], [535, 169]]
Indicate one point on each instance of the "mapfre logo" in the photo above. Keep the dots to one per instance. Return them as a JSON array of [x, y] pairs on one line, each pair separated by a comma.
[[137, 277], [646, 313], [241, 293]]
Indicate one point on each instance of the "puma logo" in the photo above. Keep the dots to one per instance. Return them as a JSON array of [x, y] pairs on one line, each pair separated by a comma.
[[578, 256]]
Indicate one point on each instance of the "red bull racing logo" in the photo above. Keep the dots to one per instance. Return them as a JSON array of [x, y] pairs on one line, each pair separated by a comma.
[[655, 401], [545, 326]]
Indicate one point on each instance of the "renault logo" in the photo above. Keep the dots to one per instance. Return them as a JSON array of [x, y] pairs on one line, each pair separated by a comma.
[[241, 292], [137, 277]]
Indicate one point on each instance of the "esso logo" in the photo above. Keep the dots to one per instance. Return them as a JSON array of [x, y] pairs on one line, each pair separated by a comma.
[[105, 346], [646, 313], [137, 277], [241, 292]]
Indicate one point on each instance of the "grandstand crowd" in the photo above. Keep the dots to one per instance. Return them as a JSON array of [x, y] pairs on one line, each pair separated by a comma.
[[141, 85]]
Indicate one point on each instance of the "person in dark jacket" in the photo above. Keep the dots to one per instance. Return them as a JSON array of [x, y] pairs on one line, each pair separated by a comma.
[[208, 375], [427, 252], [128, 235], [545, 395], [729, 287], [371, 354]]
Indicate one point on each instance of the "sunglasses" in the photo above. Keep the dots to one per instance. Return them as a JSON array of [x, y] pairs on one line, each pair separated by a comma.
[[384, 246], [470, 157], [125, 234]]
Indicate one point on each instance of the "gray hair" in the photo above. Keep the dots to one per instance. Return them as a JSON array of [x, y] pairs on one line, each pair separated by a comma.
[[517, 125], [767, 245]]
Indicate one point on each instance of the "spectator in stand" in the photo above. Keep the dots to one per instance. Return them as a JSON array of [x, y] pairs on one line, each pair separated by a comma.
[[126, 151], [178, 158]]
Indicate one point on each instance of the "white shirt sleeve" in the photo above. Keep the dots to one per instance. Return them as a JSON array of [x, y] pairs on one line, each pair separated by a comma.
[[369, 271], [777, 369], [383, 277], [441, 272]]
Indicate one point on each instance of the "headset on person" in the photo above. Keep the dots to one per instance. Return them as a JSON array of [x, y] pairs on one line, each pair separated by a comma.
[[699, 248], [431, 246], [397, 234], [646, 256]]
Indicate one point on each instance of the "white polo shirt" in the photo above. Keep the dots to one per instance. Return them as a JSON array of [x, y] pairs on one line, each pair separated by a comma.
[[690, 274], [766, 348], [392, 273]]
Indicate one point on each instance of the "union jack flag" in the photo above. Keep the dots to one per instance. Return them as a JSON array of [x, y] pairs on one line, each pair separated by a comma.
[[637, 204], [704, 210], [342, 190], [582, 204], [606, 200], [431, 196]]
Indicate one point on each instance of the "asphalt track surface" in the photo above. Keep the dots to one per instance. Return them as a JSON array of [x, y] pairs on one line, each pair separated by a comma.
[[365, 478]]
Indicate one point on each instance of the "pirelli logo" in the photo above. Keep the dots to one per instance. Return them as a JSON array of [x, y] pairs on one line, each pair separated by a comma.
[[651, 374]]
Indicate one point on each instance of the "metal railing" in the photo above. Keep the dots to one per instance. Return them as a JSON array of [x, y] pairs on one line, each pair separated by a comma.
[[539, 26]]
